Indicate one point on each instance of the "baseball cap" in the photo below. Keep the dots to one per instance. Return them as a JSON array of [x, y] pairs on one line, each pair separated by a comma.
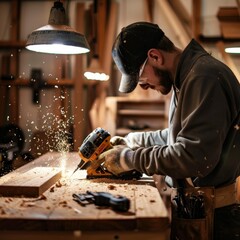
[[130, 51]]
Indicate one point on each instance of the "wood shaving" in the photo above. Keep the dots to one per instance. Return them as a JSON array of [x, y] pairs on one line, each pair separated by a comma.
[[2, 211], [27, 204], [41, 197], [8, 200], [63, 203], [52, 189], [77, 210], [111, 187], [58, 184]]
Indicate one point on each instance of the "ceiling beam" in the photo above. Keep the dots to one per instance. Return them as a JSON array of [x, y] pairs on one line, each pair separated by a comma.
[[175, 22]]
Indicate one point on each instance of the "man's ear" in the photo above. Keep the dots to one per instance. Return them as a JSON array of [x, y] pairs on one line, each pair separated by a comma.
[[155, 56]]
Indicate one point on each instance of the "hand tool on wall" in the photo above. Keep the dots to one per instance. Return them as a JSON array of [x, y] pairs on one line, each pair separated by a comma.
[[37, 83], [12, 141]]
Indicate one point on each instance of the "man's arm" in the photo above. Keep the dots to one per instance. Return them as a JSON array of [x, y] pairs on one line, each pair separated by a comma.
[[135, 140]]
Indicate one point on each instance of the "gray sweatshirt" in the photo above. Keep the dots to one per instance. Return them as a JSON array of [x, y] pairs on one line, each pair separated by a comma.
[[203, 138]]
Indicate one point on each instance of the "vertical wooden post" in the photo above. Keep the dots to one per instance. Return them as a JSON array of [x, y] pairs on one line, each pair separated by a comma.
[[196, 18], [101, 26], [106, 37], [78, 85], [14, 67]]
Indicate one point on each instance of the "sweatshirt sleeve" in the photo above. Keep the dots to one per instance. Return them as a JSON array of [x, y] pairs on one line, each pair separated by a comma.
[[200, 125], [147, 139]]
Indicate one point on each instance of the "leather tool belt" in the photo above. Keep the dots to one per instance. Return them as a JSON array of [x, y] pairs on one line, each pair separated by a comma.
[[186, 224], [225, 196]]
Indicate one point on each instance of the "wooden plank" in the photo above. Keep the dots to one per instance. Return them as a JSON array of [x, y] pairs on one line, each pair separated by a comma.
[[110, 37], [90, 235], [32, 183], [229, 29], [141, 112], [196, 19], [229, 22], [228, 14], [57, 211], [176, 24], [78, 104], [150, 209], [70, 215]]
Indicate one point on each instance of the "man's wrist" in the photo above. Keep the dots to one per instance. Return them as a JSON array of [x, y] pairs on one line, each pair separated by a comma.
[[125, 159]]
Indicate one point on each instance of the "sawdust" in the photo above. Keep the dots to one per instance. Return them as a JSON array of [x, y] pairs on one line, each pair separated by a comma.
[[2, 211], [63, 203], [112, 187], [27, 204], [58, 184], [8, 200], [31, 202]]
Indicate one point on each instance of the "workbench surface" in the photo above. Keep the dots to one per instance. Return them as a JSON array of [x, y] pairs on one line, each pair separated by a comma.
[[55, 210]]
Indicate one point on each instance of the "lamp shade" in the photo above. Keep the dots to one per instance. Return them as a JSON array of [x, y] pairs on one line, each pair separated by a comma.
[[57, 37], [94, 71], [235, 49]]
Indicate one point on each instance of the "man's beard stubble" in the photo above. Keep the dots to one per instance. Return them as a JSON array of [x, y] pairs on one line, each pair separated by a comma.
[[165, 80]]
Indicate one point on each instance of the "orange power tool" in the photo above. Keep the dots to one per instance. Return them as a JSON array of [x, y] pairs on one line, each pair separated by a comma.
[[93, 145]]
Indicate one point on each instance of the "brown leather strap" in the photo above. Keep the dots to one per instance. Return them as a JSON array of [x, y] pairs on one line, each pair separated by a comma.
[[225, 196]]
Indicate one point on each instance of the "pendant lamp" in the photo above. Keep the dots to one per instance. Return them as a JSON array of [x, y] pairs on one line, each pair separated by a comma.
[[95, 70], [57, 37], [234, 49]]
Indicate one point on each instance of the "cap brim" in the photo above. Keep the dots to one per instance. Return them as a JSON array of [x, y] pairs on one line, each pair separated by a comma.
[[128, 83]]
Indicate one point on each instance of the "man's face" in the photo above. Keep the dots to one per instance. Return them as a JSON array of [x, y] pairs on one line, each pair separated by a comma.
[[155, 78]]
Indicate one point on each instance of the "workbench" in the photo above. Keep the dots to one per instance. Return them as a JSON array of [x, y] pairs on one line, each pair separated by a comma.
[[55, 215]]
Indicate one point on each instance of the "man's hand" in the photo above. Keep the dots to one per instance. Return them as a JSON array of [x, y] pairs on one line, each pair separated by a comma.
[[117, 140], [117, 160], [132, 140]]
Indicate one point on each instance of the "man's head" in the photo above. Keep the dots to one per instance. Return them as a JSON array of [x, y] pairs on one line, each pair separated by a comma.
[[130, 51]]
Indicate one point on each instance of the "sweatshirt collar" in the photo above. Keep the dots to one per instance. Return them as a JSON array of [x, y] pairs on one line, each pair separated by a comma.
[[189, 56]]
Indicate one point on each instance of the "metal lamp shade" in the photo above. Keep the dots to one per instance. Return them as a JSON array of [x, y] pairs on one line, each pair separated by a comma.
[[57, 37]]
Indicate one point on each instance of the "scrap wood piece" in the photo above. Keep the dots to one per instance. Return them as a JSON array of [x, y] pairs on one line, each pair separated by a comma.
[[31, 183]]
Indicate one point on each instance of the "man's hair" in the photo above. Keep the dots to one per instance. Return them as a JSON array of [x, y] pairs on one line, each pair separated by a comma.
[[166, 44], [131, 47]]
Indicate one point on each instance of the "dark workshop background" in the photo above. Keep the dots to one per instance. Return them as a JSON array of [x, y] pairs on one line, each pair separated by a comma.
[[68, 106]]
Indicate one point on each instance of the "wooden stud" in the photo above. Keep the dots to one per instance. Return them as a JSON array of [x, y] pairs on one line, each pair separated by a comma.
[[177, 26], [78, 85], [196, 18]]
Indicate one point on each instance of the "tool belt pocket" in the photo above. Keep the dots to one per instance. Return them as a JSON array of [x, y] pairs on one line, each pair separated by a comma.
[[190, 229], [192, 213]]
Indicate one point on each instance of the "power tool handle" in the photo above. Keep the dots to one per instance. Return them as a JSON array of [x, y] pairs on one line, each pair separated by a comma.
[[119, 203]]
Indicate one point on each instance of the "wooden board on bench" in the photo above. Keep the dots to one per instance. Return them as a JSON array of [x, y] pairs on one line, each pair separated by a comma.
[[31, 183]]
